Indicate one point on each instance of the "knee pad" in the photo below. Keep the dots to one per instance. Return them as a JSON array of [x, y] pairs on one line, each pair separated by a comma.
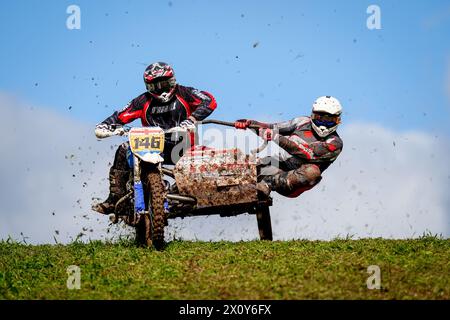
[[310, 173]]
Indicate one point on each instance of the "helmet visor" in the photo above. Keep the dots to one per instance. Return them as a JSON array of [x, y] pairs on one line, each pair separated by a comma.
[[325, 119], [161, 86]]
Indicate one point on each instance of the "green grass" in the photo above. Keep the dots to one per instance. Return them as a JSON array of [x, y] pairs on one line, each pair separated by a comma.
[[410, 269]]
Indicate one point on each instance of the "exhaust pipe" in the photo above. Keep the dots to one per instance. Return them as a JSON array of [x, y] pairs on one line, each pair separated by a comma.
[[181, 198], [168, 172]]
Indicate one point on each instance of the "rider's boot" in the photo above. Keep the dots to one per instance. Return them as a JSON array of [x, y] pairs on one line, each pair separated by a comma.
[[117, 189]]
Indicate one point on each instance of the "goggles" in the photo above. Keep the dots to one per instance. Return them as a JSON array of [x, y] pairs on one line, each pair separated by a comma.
[[161, 86], [325, 120]]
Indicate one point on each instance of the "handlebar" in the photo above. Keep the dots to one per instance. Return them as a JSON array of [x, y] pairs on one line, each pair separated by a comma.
[[124, 130], [231, 124], [228, 124]]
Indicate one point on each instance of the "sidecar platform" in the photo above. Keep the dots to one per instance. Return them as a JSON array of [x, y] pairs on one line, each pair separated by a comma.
[[230, 210]]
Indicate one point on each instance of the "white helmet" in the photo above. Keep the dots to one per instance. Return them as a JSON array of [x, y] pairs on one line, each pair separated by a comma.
[[326, 115]]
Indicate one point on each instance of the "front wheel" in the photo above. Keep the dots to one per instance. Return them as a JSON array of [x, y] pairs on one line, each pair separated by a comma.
[[264, 223], [150, 230]]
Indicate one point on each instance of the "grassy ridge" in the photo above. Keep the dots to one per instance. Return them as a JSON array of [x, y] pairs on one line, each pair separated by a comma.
[[410, 269]]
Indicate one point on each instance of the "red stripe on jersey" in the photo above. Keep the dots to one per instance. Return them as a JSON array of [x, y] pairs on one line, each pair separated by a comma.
[[213, 104], [331, 147], [128, 116], [185, 105], [303, 148], [144, 120]]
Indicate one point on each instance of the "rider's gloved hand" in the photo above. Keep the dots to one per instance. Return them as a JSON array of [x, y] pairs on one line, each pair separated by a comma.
[[242, 124], [103, 130], [187, 124], [119, 131]]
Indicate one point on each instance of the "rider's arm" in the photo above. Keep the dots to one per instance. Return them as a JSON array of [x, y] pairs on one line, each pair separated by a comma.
[[327, 150], [284, 128], [132, 111], [320, 150], [111, 125], [288, 127], [200, 103], [294, 146]]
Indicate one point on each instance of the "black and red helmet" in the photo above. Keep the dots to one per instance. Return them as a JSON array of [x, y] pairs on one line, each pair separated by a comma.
[[160, 81]]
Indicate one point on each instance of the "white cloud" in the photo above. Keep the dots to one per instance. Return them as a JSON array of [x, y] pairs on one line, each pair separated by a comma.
[[41, 151], [384, 184], [375, 188]]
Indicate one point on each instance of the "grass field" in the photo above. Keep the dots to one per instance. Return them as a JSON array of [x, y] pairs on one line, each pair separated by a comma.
[[410, 269]]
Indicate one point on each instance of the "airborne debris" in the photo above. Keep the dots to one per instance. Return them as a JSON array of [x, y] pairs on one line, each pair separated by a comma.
[[255, 44]]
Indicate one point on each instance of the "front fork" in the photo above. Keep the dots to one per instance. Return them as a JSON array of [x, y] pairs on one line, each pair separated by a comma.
[[139, 200]]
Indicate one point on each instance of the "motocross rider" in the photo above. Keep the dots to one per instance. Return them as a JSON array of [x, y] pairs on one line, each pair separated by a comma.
[[165, 104], [312, 144]]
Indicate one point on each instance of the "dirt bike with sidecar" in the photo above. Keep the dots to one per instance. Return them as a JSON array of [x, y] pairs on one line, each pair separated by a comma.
[[203, 181]]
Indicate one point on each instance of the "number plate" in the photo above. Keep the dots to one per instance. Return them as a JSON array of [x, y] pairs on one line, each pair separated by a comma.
[[144, 140]]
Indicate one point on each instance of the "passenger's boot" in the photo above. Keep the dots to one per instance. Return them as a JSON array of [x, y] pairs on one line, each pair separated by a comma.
[[265, 186], [117, 189]]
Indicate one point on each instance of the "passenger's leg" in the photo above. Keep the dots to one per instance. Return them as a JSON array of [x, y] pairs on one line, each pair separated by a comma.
[[295, 182]]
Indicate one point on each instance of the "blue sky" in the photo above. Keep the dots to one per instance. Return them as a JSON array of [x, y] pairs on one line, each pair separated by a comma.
[[265, 60], [395, 76]]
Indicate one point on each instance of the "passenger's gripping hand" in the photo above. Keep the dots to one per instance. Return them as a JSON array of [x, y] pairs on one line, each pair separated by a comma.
[[266, 134], [242, 124]]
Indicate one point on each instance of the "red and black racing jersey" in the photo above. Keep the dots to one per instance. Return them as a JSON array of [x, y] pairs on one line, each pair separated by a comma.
[[187, 103]]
